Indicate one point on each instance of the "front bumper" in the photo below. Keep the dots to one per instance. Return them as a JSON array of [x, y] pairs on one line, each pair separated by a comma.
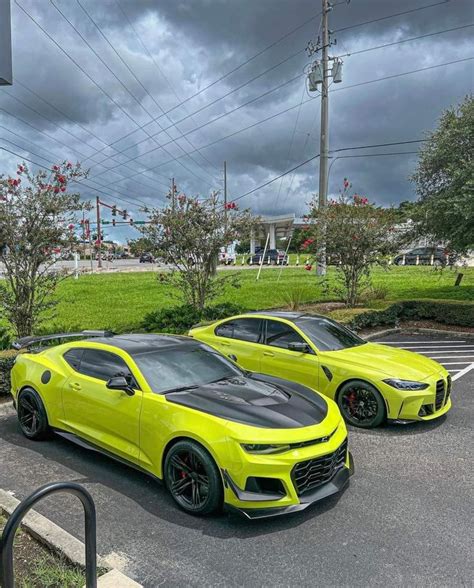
[[282, 468], [423, 405]]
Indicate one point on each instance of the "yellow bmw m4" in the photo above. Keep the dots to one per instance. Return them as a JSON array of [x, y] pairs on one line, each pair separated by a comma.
[[182, 412], [369, 382]]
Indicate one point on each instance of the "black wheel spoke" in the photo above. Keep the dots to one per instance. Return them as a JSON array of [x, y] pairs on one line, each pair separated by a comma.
[[360, 405], [189, 482], [180, 464], [27, 405], [179, 486]]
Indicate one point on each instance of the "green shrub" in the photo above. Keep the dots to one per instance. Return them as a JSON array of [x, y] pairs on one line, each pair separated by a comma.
[[5, 338], [179, 319], [295, 297], [7, 359], [442, 311]]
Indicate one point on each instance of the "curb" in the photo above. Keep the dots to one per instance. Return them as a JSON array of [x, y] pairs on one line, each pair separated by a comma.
[[60, 541], [418, 330]]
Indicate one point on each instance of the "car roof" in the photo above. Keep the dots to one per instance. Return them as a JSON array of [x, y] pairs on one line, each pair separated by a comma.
[[288, 315], [135, 343]]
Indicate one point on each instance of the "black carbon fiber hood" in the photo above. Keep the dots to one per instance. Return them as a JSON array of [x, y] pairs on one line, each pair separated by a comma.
[[257, 400]]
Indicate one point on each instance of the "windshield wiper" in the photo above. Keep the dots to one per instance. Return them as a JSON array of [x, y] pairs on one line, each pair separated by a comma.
[[181, 389]]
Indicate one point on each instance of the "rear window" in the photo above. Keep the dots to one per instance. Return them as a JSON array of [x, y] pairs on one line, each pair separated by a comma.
[[244, 329]]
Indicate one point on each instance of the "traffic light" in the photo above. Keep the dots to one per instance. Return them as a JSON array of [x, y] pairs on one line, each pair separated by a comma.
[[113, 222], [124, 214], [114, 210], [131, 221]]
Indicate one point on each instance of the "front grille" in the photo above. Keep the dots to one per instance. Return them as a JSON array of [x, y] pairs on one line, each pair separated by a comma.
[[439, 394], [308, 475]]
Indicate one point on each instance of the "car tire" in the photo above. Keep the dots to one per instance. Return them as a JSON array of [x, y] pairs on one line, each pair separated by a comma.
[[193, 479], [361, 404], [32, 416], [438, 263]]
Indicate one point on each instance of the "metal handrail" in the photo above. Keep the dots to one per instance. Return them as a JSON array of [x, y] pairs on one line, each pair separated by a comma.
[[8, 535]]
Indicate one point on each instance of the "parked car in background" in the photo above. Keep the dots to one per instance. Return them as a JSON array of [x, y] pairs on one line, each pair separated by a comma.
[[147, 258], [272, 256], [226, 258], [437, 256]]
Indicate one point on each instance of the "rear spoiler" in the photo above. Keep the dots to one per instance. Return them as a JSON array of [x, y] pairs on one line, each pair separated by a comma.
[[26, 342]]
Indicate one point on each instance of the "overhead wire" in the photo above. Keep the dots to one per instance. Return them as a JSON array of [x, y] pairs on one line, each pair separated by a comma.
[[124, 86], [308, 100], [339, 150], [393, 15], [140, 83]]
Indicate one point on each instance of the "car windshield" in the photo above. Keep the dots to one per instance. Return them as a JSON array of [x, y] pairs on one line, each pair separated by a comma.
[[185, 367], [328, 335]]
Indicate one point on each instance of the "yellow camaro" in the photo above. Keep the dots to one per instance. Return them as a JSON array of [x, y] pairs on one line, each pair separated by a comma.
[[187, 415], [370, 382]]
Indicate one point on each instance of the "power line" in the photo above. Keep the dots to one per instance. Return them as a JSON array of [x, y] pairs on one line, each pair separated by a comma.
[[85, 129], [60, 127], [341, 149], [358, 52], [130, 70], [212, 103], [16, 117], [281, 62], [366, 22], [85, 73], [81, 36], [23, 158], [150, 54], [297, 105]]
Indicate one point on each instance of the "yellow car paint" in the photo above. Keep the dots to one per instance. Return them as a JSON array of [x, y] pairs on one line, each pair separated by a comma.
[[140, 428], [371, 362]]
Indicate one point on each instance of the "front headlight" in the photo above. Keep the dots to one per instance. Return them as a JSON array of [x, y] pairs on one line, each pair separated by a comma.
[[264, 449], [406, 384]]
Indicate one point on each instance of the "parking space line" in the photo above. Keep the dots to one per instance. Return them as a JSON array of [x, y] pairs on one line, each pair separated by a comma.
[[442, 347], [463, 372], [457, 363], [450, 356], [415, 342]]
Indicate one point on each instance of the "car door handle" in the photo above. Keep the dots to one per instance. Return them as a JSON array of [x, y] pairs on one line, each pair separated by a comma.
[[75, 386], [268, 354], [224, 344]]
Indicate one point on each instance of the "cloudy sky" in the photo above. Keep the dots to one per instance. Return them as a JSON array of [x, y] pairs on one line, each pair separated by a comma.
[[152, 89]]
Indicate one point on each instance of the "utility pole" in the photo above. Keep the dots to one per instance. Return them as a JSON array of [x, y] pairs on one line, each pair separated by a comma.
[[225, 194], [173, 195], [320, 74], [324, 139], [99, 238]]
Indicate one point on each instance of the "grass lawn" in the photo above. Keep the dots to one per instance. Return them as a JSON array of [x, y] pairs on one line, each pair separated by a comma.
[[119, 301]]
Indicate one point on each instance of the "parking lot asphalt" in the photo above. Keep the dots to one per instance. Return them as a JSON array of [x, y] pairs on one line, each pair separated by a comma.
[[404, 520]]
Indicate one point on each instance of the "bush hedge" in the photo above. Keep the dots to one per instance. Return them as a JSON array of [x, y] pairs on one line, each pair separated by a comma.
[[442, 311], [7, 358], [179, 319]]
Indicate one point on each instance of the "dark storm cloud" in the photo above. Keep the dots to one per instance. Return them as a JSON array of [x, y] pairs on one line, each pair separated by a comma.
[[192, 43]]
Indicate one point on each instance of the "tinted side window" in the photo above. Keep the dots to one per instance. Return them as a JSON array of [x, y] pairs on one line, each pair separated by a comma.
[[73, 357], [104, 365], [247, 329], [280, 334]]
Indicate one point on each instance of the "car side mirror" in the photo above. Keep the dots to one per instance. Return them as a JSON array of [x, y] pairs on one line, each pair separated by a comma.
[[120, 383], [299, 347]]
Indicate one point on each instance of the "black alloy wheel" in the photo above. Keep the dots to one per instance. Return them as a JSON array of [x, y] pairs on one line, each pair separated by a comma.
[[361, 404], [32, 415], [193, 479]]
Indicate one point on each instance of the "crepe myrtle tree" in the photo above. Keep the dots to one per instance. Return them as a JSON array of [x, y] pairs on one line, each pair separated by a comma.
[[187, 234], [36, 228], [358, 235]]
